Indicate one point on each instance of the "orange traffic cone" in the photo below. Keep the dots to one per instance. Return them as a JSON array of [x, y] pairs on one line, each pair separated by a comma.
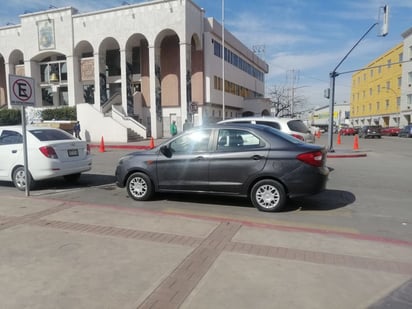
[[356, 142], [151, 146], [318, 134], [339, 142], [101, 149]]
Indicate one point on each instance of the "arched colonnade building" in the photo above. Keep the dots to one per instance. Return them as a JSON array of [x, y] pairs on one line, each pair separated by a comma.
[[134, 69]]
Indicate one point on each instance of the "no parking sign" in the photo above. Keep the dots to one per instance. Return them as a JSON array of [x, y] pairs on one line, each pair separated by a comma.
[[21, 90], [22, 93]]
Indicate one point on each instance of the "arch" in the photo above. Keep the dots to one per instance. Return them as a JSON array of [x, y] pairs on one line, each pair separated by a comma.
[[83, 49], [109, 68], [265, 112], [196, 93], [248, 114], [83, 54], [138, 78], [167, 64], [3, 82], [49, 68]]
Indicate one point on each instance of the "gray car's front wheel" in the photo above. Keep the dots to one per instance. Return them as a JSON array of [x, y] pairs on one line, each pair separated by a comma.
[[139, 187], [268, 195]]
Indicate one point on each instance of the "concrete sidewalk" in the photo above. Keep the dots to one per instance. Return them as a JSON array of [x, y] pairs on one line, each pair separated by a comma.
[[59, 254]]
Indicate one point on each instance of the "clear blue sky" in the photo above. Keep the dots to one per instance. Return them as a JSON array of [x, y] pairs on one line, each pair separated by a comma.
[[304, 39]]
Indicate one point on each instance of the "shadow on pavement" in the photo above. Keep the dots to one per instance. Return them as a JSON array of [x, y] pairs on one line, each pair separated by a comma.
[[85, 180], [324, 201]]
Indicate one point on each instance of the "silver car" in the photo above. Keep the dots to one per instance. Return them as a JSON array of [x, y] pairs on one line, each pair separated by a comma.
[[291, 126]]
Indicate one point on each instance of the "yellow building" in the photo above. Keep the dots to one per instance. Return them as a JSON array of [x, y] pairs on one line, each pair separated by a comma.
[[376, 91]]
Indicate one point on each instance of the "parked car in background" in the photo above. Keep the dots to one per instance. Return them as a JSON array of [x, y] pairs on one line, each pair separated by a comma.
[[254, 161], [291, 126], [51, 153], [370, 131], [406, 131], [390, 131], [347, 131]]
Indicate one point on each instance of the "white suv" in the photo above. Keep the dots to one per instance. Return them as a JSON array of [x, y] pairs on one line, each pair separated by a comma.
[[291, 126]]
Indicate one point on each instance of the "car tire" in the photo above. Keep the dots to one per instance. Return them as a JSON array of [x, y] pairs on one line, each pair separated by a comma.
[[72, 178], [139, 187], [268, 195], [19, 179]]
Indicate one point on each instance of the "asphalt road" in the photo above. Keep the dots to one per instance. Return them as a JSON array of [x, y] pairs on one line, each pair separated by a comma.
[[367, 195]]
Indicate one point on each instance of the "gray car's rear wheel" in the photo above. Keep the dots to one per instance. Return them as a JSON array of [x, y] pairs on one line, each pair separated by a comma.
[[139, 187], [19, 179], [268, 195]]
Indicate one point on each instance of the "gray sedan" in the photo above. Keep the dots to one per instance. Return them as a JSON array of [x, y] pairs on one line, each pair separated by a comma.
[[253, 161]]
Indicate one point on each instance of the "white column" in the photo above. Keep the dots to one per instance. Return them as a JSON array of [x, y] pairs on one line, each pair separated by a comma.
[[96, 104], [123, 79], [183, 82], [75, 90], [152, 78]]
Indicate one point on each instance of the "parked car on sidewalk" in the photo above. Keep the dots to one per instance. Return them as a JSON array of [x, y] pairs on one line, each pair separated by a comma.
[[406, 131], [370, 131], [390, 131], [246, 160], [51, 153], [291, 126]]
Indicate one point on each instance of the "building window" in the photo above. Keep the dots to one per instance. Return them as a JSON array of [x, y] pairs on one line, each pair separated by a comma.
[[387, 104], [371, 72], [388, 85], [400, 59], [389, 63], [410, 78], [379, 89], [370, 91], [409, 99], [377, 106], [399, 82]]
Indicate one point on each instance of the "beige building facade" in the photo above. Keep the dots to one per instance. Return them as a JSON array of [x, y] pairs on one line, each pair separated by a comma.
[[134, 68]]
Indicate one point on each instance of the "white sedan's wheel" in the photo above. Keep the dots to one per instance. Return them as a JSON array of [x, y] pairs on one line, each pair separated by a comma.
[[139, 187], [268, 195], [19, 179]]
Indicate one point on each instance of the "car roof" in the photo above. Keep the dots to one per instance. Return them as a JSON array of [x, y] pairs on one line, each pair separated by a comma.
[[29, 127], [266, 118]]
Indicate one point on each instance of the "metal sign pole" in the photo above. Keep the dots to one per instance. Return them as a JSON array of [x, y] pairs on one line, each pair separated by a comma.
[[26, 164]]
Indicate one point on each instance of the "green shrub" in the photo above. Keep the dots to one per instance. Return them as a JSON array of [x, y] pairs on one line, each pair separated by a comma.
[[61, 113], [10, 117]]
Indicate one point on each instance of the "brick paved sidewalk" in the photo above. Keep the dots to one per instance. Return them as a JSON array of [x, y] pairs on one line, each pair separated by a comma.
[[183, 262]]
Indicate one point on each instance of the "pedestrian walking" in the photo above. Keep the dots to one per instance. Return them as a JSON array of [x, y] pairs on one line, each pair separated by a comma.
[[173, 128], [76, 130]]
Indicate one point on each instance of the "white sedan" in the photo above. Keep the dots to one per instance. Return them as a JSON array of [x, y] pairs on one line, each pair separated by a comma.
[[50, 152]]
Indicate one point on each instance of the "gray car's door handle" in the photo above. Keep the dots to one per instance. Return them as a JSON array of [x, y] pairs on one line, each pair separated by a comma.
[[257, 157], [14, 151]]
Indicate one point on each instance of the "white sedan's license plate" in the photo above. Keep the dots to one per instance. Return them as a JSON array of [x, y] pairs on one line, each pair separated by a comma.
[[73, 152]]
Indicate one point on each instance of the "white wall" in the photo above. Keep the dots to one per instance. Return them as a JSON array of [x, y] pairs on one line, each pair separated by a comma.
[[94, 126]]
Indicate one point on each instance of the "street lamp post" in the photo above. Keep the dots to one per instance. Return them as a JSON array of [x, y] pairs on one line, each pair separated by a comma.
[[333, 76], [334, 73]]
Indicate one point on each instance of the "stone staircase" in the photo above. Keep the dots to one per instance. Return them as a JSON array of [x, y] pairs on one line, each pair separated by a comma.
[[132, 136]]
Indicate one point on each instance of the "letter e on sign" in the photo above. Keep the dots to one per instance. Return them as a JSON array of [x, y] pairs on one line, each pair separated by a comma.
[[21, 90]]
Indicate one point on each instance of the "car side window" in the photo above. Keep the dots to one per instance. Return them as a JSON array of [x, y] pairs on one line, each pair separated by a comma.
[[196, 141], [269, 123], [234, 140], [10, 137]]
